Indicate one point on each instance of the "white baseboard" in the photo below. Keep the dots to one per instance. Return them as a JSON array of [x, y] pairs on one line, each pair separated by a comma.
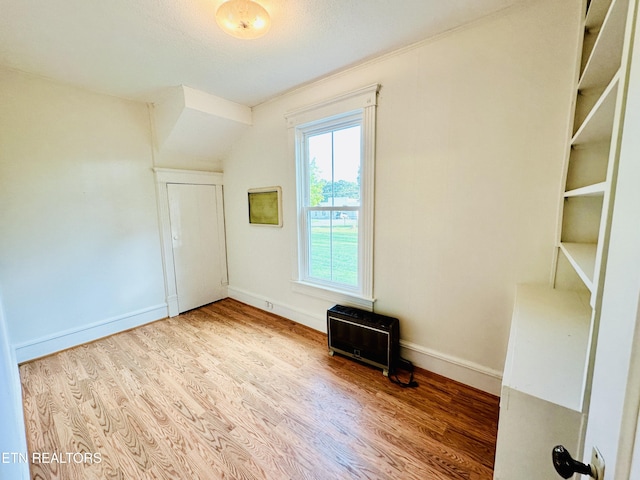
[[56, 342], [463, 371], [317, 322], [460, 370]]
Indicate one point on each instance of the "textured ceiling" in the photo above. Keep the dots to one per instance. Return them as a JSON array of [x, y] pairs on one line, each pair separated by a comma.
[[137, 48]]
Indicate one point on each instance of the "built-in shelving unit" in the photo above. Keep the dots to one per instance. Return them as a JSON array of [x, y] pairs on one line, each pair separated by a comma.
[[548, 375], [554, 329], [590, 167]]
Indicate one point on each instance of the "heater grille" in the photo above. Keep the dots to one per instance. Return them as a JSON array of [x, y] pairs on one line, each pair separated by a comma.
[[365, 336]]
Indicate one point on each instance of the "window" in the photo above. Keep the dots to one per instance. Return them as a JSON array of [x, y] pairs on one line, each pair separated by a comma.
[[331, 203], [334, 145]]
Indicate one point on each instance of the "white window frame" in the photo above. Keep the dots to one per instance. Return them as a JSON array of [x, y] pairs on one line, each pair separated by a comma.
[[357, 107]]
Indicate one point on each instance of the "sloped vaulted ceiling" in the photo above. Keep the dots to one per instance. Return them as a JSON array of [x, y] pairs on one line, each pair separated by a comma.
[[142, 49], [137, 48]]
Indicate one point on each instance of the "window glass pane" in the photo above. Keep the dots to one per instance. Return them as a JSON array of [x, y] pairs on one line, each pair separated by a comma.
[[334, 167], [346, 167], [320, 167], [320, 245], [333, 246], [344, 247]]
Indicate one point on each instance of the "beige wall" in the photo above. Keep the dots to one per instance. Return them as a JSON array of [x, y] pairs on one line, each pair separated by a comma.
[[80, 240], [470, 145]]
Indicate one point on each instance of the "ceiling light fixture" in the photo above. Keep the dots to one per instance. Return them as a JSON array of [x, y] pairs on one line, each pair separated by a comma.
[[243, 19]]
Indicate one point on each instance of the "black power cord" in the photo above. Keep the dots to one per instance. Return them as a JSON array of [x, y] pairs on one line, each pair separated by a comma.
[[405, 365]]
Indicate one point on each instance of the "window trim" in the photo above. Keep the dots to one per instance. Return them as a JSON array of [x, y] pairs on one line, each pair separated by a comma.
[[344, 108]]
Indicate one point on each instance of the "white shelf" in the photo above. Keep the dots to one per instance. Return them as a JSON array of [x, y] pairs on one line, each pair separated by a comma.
[[588, 191], [598, 123], [604, 60], [548, 345], [582, 257]]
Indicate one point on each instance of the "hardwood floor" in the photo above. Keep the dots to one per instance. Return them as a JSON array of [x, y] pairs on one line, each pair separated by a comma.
[[228, 391]]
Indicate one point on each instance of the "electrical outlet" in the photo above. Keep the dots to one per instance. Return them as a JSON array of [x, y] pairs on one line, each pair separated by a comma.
[[597, 464]]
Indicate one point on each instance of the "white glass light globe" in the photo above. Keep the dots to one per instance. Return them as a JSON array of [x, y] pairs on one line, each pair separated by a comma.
[[243, 19]]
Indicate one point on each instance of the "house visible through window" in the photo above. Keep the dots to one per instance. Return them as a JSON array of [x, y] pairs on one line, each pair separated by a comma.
[[334, 162]]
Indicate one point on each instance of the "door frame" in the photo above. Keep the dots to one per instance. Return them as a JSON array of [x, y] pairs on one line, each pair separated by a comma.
[[627, 463], [165, 176]]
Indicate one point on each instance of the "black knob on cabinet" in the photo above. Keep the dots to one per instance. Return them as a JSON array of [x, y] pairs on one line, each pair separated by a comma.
[[567, 466]]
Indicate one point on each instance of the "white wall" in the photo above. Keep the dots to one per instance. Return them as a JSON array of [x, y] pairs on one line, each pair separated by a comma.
[[471, 138], [194, 130], [79, 247], [12, 435]]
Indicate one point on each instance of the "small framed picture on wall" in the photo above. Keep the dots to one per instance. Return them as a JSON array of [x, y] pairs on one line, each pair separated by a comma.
[[265, 206]]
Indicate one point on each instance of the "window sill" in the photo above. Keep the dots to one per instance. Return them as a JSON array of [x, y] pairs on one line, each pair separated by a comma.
[[335, 296]]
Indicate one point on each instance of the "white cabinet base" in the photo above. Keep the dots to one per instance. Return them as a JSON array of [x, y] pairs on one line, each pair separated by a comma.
[[528, 430]]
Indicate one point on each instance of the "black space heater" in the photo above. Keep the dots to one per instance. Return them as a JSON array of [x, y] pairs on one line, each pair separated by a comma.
[[365, 336]]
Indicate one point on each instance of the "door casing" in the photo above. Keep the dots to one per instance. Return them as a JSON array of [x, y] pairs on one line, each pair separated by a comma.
[[165, 176]]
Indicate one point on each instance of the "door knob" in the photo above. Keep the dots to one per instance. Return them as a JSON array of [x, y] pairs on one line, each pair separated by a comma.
[[567, 466]]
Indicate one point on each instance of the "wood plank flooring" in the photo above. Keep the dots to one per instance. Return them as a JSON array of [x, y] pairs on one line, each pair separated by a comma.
[[228, 391]]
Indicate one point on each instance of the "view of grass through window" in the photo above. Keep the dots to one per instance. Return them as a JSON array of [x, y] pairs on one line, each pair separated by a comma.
[[334, 252], [334, 189]]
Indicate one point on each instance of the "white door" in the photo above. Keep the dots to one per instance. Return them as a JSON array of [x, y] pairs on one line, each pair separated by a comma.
[[193, 214]]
